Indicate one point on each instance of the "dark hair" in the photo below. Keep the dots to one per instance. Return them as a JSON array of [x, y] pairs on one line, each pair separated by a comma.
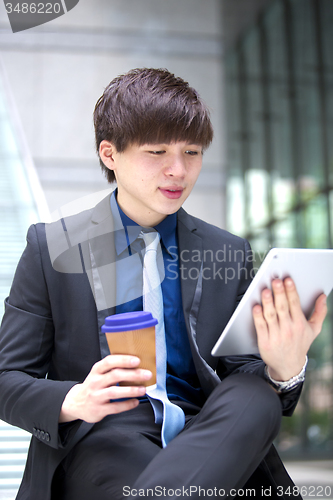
[[150, 106]]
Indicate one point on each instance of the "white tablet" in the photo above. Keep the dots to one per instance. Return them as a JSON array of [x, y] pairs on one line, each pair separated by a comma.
[[312, 272]]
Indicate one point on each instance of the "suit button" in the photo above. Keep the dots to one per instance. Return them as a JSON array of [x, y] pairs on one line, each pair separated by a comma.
[[47, 437], [42, 435], [38, 433], [34, 431]]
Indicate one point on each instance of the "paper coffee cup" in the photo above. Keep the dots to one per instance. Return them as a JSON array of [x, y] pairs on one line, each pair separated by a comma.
[[133, 333]]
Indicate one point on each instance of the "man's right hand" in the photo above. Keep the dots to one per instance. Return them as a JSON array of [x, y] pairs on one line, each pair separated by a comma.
[[91, 401]]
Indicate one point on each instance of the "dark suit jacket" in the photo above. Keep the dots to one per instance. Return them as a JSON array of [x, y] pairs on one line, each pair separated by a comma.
[[63, 289]]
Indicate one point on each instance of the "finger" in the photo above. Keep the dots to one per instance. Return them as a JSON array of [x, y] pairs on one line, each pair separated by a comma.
[[108, 408], [269, 310], [122, 392], [317, 318], [293, 299], [121, 406], [260, 323], [114, 361], [137, 376], [98, 398], [280, 301]]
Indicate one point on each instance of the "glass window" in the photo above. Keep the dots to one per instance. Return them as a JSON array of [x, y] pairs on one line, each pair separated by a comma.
[[326, 33], [315, 223], [285, 233], [235, 202], [235, 185], [284, 108], [284, 194], [256, 184]]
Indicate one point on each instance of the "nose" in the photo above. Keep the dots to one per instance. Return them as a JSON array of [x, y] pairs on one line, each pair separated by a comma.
[[176, 166]]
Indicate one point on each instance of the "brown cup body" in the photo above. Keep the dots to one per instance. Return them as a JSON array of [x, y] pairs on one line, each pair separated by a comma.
[[140, 343]]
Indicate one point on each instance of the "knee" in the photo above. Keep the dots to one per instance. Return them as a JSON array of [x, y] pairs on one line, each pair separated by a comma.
[[255, 403], [264, 408]]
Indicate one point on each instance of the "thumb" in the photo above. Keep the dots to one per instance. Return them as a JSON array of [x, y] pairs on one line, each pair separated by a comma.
[[319, 313]]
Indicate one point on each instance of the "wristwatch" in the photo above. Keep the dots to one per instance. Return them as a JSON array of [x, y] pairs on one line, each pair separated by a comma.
[[288, 384]]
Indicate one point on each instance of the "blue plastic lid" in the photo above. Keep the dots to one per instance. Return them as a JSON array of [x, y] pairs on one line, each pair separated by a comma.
[[128, 321]]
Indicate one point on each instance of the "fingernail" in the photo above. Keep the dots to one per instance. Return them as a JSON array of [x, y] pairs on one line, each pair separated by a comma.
[[147, 374], [135, 361]]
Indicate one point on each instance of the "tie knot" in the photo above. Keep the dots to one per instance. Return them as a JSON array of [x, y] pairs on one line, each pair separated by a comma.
[[151, 240]]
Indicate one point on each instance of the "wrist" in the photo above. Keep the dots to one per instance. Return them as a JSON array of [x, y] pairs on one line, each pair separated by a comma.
[[67, 412]]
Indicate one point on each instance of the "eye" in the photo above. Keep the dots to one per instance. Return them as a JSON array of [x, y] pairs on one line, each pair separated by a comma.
[[159, 152], [192, 152]]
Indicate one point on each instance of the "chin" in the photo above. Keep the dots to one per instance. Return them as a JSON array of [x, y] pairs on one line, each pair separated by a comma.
[[172, 209]]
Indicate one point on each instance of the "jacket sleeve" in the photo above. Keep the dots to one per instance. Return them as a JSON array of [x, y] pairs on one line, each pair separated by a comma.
[[254, 364], [28, 399]]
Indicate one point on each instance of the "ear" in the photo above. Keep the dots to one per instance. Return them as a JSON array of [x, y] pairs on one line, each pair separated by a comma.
[[106, 152]]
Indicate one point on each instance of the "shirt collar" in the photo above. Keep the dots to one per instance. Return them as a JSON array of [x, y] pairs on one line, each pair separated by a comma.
[[127, 231], [167, 229]]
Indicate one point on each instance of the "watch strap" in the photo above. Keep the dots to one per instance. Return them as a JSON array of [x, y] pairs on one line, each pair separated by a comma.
[[287, 385]]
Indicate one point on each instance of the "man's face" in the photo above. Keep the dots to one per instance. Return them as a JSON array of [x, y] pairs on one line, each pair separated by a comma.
[[154, 180]]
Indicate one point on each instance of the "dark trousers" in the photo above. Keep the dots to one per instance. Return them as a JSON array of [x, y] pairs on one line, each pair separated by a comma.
[[220, 447]]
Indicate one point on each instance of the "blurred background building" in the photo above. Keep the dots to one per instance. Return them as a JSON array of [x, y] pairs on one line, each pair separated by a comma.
[[279, 168], [265, 68]]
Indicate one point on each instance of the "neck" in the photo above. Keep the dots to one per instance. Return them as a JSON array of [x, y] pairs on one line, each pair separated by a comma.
[[147, 219]]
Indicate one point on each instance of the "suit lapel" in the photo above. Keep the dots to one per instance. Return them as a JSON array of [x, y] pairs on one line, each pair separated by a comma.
[[191, 263], [100, 260], [190, 258]]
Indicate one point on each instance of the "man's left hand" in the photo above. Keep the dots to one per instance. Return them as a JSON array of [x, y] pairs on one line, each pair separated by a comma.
[[284, 333]]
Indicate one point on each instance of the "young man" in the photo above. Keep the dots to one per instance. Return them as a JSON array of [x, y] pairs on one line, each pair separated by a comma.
[[91, 437]]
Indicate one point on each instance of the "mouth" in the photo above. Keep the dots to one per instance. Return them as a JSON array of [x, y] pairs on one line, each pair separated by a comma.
[[172, 193]]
